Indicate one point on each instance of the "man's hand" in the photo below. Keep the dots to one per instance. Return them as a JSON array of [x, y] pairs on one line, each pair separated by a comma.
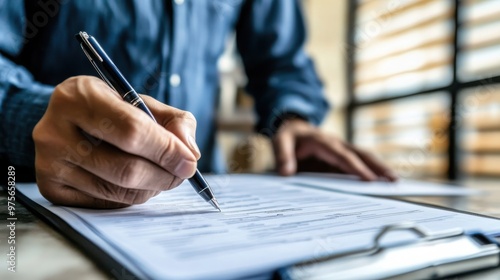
[[296, 140], [95, 150]]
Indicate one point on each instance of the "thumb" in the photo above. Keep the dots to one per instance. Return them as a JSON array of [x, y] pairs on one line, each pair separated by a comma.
[[284, 153], [181, 123]]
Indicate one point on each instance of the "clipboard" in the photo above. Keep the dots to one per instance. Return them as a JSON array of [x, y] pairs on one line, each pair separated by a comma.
[[431, 256], [113, 260]]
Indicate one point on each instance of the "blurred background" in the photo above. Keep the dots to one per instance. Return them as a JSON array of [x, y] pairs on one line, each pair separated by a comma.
[[417, 82]]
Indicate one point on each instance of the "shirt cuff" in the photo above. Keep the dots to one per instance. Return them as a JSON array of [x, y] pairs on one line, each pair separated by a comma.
[[20, 113], [288, 106]]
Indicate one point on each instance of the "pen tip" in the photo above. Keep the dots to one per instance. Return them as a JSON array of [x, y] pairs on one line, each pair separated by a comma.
[[215, 204]]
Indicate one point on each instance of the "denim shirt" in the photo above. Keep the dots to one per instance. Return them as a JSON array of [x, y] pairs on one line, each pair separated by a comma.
[[166, 49]]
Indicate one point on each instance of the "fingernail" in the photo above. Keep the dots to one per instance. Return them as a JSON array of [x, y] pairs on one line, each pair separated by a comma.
[[288, 168], [194, 147], [184, 169]]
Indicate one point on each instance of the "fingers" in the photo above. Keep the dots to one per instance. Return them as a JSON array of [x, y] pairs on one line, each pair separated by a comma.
[[96, 175], [376, 165], [94, 150], [88, 184], [284, 153], [181, 123], [68, 196], [299, 140], [120, 168], [91, 191], [126, 127], [333, 151]]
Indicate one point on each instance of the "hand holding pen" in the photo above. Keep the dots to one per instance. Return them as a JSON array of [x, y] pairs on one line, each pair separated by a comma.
[[129, 159]]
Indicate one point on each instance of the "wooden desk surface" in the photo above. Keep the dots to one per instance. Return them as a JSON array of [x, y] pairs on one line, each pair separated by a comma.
[[43, 253]]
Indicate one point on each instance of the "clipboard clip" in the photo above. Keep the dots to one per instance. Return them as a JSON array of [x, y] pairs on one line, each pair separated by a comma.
[[430, 256]]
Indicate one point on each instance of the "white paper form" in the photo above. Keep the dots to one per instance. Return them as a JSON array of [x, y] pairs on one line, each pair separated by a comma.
[[267, 222], [351, 184]]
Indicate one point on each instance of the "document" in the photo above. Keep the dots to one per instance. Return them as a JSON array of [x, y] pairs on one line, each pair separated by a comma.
[[352, 184], [266, 222]]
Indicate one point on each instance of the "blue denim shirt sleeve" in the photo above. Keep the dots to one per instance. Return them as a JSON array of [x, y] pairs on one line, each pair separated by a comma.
[[281, 77], [22, 100], [270, 38]]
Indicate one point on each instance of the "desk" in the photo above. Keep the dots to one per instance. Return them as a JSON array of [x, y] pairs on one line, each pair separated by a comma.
[[43, 253]]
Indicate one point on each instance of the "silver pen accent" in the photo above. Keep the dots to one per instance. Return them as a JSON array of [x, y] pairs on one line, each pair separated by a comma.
[[214, 203]]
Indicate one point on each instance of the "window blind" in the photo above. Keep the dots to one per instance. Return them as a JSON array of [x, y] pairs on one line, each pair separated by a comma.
[[409, 134], [402, 47], [479, 112], [425, 85], [479, 40]]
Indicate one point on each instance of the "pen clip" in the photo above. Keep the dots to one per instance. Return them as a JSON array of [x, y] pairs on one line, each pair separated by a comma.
[[103, 77], [85, 39]]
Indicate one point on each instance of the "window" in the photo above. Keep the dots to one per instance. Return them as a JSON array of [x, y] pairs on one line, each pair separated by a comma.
[[423, 85]]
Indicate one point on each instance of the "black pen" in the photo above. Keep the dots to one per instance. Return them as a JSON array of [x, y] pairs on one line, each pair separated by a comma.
[[114, 78]]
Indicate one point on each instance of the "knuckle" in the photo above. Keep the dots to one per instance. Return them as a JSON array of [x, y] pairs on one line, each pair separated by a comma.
[[186, 117], [68, 95], [132, 196], [58, 100], [118, 195], [58, 194], [106, 190], [84, 82], [64, 93], [133, 134], [39, 132], [44, 135], [72, 93], [130, 174]]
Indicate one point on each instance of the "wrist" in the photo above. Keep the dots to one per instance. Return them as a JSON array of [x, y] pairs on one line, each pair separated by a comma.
[[287, 119]]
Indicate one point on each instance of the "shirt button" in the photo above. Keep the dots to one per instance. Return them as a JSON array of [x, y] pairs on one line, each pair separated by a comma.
[[175, 80], [179, 2]]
